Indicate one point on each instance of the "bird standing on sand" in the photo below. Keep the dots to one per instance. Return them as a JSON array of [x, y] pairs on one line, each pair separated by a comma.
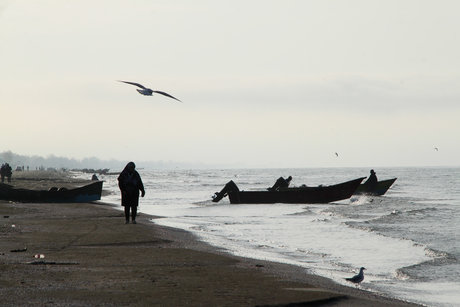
[[357, 278], [147, 91]]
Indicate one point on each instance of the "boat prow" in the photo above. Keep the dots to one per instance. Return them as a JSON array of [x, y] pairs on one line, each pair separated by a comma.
[[378, 189]]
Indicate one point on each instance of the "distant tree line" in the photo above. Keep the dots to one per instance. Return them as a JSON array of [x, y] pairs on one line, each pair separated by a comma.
[[35, 162], [53, 162]]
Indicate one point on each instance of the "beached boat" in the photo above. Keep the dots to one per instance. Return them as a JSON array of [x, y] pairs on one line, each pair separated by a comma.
[[87, 193], [296, 195], [380, 188]]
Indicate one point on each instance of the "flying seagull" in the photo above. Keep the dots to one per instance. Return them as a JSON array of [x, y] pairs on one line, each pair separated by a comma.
[[357, 278], [147, 91], [436, 148], [336, 154]]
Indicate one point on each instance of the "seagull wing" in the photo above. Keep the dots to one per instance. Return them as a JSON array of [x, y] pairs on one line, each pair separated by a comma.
[[166, 94], [133, 83]]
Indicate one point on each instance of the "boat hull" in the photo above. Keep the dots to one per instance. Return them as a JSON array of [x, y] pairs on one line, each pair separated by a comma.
[[378, 189], [87, 193], [300, 195]]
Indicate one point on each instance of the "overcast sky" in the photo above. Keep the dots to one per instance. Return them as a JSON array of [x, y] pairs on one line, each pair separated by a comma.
[[263, 83]]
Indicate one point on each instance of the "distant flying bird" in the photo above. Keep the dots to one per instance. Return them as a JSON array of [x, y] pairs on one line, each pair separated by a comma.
[[147, 91], [436, 148], [357, 278], [336, 154]]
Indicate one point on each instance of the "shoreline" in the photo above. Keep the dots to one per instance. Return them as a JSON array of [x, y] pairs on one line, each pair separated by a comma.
[[346, 296], [93, 258]]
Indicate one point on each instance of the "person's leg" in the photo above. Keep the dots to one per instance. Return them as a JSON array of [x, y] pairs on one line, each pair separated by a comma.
[[126, 214], [134, 213]]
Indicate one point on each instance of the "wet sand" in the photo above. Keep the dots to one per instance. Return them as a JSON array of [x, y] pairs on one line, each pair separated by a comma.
[[92, 258]]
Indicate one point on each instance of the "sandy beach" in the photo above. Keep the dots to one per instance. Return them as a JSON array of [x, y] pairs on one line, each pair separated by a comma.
[[91, 258]]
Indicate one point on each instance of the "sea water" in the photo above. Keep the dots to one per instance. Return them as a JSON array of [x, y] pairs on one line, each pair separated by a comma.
[[408, 239]]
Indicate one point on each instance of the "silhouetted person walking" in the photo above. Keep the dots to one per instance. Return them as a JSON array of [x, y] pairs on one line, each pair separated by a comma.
[[130, 184], [6, 171]]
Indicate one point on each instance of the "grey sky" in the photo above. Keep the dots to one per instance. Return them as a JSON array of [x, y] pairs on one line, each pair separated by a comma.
[[264, 83]]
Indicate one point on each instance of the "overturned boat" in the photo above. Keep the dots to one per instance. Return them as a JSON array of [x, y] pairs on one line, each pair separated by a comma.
[[376, 189], [87, 193], [294, 195]]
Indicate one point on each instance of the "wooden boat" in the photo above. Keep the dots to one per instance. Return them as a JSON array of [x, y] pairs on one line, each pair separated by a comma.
[[380, 188], [296, 195], [87, 193]]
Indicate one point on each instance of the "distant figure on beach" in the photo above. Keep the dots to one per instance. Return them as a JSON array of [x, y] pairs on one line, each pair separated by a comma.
[[281, 183], [130, 183], [94, 177], [372, 180], [6, 171]]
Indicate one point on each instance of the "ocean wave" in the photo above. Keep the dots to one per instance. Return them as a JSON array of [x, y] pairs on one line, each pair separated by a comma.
[[210, 185], [401, 275], [301, 213], [421, 211], [322, 220], [199, 228], [442, 266], [361, 200], [204, 203], [264, 246], [360, 226], [396, 214], [312, 254], [440, 257]]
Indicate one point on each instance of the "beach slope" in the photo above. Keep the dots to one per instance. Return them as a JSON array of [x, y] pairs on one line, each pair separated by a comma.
[[87, 256]]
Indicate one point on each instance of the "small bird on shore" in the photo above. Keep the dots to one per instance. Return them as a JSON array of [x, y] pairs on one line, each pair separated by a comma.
[[357, 278], [147, 91]]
